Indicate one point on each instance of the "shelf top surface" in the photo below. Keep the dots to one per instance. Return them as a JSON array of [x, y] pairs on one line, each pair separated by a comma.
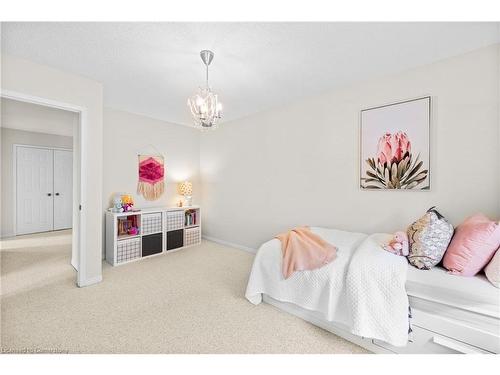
[[127, 236], [152, 210]]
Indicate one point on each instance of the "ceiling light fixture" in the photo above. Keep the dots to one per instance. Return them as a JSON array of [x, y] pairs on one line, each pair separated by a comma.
[[204, 105]]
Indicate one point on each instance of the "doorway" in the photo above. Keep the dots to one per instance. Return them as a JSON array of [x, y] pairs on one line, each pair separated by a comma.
[[60, 168], [43, 189]]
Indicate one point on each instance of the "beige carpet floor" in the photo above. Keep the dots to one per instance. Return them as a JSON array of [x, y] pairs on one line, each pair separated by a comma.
[[190, 301]]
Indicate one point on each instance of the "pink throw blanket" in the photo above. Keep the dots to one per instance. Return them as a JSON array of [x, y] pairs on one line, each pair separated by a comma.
[[304, 250]]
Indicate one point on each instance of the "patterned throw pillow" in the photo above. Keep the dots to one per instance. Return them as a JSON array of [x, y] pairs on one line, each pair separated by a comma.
[[429, 238]]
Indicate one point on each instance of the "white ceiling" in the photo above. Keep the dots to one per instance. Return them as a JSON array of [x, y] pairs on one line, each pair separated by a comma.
[[152, 68]]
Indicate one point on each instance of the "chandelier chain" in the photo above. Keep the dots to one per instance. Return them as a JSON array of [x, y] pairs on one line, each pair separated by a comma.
[[207, 75]]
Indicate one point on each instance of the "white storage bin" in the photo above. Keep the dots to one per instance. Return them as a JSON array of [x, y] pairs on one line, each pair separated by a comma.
[[151, 223], [128, 249], [175, 220], [192, 236]]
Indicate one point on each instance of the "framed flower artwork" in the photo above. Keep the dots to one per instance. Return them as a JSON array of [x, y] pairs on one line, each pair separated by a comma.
[[395, 146]]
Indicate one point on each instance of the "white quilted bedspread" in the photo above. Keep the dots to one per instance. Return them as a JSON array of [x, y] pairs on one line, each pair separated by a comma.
[[363, 288]]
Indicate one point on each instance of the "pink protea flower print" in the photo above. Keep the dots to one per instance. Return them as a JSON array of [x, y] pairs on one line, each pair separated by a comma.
[[393, 147], [393, 166]]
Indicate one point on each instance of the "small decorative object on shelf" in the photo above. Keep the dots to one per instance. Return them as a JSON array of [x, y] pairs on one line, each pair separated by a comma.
[[122, 203], [117, 204], [186, 189], [133, 231], [128, 225], [127, 203]]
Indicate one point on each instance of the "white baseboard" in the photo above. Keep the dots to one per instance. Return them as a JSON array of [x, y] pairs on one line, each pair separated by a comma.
[[91, 281], [230, 244], [73, 263], [7, 235]]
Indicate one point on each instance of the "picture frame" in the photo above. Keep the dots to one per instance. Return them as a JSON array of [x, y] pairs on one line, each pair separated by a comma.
[[395, 146]]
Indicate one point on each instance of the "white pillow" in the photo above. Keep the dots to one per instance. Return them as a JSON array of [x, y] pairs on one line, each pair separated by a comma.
[[492, 270]]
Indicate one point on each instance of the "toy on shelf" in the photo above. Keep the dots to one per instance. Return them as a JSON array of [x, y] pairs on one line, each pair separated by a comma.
[[127, 203], [128, 225], [117, 205], [133, 231], [122, 203]]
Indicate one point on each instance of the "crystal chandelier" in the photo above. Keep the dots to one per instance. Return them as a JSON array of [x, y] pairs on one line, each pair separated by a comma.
[[204, 105]]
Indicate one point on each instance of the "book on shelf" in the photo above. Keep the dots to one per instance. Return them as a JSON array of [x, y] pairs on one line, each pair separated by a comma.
[[190, 218]]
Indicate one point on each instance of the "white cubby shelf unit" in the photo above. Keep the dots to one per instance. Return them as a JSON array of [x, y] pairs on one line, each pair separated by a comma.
[[159, 230]]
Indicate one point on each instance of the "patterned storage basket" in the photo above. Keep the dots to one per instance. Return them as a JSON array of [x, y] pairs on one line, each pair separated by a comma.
[[151, 223], [192, 236], [429, 238], [175, 220], [128, 250]]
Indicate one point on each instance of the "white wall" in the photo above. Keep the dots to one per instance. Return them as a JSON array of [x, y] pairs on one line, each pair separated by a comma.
[[9, 137], [32, 79], [126, 135], [298, 165], [36, 118]]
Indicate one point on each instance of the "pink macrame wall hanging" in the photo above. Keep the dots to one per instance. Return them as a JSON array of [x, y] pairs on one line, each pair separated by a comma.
[[151, 177]]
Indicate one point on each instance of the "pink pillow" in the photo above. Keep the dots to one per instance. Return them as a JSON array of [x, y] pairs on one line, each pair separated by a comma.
[[473, 245], [492, 270]]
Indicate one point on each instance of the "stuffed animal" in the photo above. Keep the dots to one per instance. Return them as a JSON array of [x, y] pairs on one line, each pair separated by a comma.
[[133, 231], [117, 205], [127, 202], [399, 244]]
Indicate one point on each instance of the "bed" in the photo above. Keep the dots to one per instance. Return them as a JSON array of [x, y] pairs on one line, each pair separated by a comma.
[[365, 293]]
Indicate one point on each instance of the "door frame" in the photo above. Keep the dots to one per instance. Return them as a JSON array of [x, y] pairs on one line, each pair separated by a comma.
[[54, 149], [14, 174], [79, 234]]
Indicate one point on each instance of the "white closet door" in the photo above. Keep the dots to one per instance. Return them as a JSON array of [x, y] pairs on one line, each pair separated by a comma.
[[34, 192], [63, 189]]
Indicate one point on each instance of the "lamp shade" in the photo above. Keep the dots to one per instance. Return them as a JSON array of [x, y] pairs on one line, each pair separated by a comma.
[[186, 188]]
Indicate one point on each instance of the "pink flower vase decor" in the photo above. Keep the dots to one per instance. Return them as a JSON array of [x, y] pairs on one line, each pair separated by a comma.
[[394, 166]]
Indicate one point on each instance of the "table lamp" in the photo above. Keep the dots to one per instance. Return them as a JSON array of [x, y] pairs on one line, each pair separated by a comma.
[[186, 189]]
